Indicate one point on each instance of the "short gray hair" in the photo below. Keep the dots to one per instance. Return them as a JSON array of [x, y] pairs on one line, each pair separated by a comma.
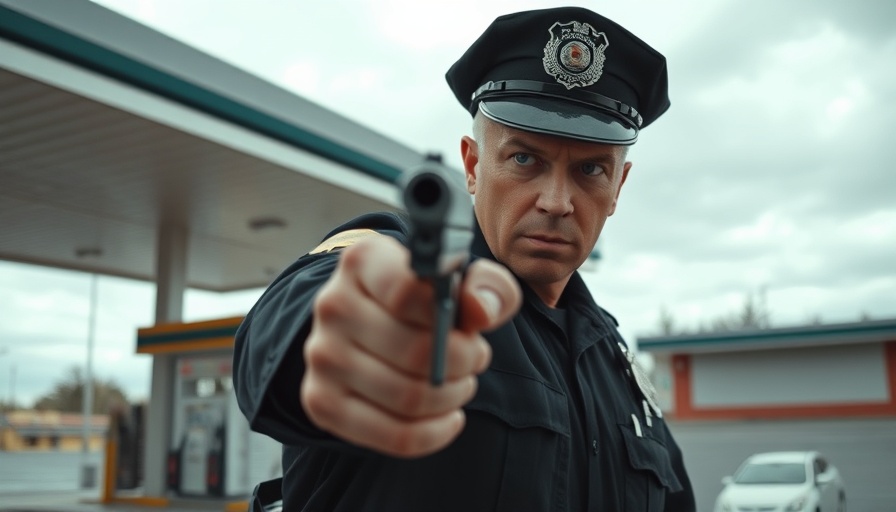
[[479, 124]]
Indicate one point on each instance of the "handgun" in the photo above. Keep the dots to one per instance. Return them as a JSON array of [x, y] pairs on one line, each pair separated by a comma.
[[441, 231]]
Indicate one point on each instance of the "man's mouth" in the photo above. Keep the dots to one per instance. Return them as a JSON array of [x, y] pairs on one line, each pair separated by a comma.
[[546, 240]]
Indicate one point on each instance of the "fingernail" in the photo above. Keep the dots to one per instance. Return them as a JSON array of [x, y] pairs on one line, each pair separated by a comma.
[[490, 302]]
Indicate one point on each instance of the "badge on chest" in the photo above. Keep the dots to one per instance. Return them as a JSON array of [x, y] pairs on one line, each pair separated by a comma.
[[639, 375]]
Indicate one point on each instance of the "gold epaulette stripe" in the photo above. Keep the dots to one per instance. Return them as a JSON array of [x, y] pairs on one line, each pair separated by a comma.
[[343, 239]]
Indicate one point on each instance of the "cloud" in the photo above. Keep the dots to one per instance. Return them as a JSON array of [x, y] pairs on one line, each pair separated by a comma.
[[44, 328], [773, 168]]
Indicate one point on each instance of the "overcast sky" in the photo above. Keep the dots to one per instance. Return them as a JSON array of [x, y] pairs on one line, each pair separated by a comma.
[[773, 169]]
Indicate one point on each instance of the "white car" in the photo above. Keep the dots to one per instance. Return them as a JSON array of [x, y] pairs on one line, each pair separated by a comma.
[[783, 482]]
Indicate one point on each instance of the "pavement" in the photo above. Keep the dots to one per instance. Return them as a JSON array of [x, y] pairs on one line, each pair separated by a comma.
[[88, 501], [48, 481]]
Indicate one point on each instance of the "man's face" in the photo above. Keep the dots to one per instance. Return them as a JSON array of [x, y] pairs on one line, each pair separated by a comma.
[[541, 200]]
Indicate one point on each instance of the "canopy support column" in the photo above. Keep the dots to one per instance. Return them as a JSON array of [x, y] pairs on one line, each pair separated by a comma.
[[171, 276]]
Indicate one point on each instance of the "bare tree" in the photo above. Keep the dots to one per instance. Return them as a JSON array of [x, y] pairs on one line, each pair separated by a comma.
[[753, 315], [68, 394], [667, 322]]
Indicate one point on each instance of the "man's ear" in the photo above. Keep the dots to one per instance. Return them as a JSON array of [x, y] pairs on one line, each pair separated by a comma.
[[625, 168], [469, 151]]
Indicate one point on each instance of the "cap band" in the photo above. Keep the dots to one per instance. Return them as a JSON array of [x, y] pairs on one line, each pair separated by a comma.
[[533, 88]]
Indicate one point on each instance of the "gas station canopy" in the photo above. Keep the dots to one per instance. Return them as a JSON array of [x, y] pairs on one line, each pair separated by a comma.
[[111, 133], [124, 152]]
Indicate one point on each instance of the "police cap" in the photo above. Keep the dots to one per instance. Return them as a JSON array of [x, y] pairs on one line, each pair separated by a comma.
[[566, 71]]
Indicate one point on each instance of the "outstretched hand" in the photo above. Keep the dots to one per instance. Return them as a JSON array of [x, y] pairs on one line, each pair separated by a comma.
[[368, 353]]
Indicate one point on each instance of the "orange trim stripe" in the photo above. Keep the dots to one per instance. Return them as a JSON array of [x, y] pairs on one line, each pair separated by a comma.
[[790, 411], [186, 346], [144, 501], [236, 506], [110, 471], [681, 369], [188, 327]]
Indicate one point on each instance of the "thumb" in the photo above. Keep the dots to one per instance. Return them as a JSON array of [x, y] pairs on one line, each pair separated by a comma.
[[489, 296]]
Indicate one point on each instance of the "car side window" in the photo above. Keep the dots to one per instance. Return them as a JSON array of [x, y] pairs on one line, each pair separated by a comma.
[[821, 466]]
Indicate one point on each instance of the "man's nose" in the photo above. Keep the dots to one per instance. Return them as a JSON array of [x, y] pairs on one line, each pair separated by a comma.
[[555, 197]]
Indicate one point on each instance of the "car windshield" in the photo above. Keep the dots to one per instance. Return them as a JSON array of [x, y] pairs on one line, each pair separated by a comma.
[[771, 473]]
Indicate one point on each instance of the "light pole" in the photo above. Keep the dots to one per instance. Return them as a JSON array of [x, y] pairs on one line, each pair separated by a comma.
[[8, 405], [12, 386], [4, 406], [3, 352], [8, 402], [88, 471]]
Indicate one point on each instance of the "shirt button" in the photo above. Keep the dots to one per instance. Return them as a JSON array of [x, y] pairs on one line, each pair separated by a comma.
[[594, 446]]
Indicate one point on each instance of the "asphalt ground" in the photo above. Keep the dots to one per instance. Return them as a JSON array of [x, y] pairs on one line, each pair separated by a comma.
[[51, 482], [88, 501], [863, 450]]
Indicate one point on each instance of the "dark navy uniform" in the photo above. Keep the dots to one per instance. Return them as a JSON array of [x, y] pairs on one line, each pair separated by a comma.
[[562, 419], [558, 422]]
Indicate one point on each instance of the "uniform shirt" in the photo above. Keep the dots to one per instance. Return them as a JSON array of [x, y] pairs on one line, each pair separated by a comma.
[[557, 423]]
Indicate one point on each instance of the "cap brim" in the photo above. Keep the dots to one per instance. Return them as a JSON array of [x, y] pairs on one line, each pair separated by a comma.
[[559, 118]]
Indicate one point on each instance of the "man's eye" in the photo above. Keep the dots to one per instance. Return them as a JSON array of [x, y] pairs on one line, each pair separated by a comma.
[[591, 169], [523, 159]]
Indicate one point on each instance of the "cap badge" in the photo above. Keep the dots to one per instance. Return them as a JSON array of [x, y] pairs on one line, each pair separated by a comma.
[[575, 54]]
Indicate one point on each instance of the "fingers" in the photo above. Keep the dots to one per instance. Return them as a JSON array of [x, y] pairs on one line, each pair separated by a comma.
[[398, 394], [369, 350], [489, 297], [357, 421], [405, 343], [380, 266], [355, 387], [490, 294]]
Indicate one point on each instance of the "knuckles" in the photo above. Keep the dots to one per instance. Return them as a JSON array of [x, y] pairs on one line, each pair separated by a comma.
[[332, 303], [321, 356], [322, 408], [352, 257], [412, 440], [418, 354], [412, 400], [403, 441]]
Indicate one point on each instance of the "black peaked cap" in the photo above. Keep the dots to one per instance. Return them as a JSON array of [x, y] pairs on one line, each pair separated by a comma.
[[565, 71]]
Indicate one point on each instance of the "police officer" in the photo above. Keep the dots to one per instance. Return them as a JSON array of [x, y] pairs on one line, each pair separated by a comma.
[[543, 407]]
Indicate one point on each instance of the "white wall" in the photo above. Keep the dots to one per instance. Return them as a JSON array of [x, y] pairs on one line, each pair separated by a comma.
[[809, 376]]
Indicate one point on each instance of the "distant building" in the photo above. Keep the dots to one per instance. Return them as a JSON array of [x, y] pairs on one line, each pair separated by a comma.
[[818, 371], [49, 430], [828, 388]]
